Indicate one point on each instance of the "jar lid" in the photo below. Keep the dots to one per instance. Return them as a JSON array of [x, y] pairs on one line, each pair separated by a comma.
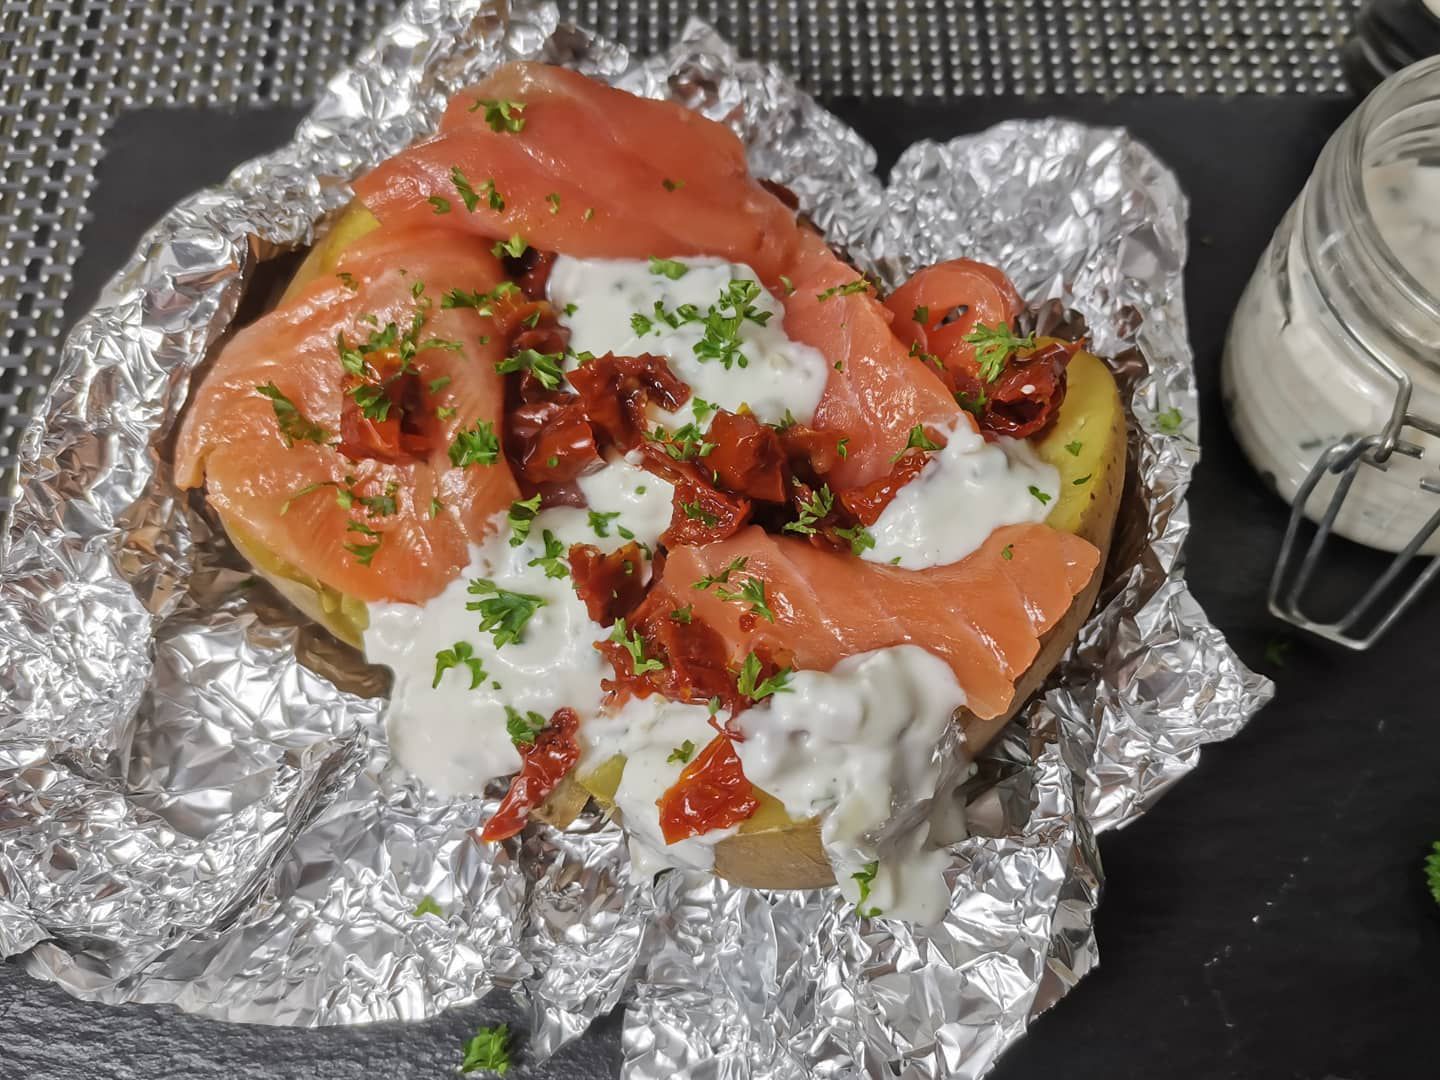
[[1389, 35]]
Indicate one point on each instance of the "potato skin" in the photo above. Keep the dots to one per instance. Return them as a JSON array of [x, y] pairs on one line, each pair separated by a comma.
[[1086, 445]]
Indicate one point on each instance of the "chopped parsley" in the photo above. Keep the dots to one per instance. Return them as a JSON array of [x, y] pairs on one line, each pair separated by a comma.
[[546, 367], [348, 280], [634, 644], [859, 285], [723, 321], [1079, 481], [694, 511], [1007, 552], [752, 592], [812, 510], [1074, 447], [427, 906], [521, 517], [435, 507], [483, 303], [843, 447], [294, 425], [436, 385], [684, 443], [1170, 421], [778, 683], [363, 553], [468, 194], [382, 505], [927, 358], [973, 404], [641, 324], [523, 727], [488, 1050], [703, 409], [514, 247], [460, 653], [600, 521], [501, 115], [554, 200], [672, 185], [553, 561], [491, 195], [1432, 871], [788, 285], [502, 613], [786, 422], [993, 346], [478, 445], [866, 879], [668, 268], [917, 440], [441, 205], [1043, 496], [859, 537], [308, 489], [683, 615], [570, 309], [682, 753], [922, 314], [722, 578]]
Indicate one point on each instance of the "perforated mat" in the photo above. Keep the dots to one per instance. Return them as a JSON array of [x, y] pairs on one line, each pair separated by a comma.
[[72, 66]]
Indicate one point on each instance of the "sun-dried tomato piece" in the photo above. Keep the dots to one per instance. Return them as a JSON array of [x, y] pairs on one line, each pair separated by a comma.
[[612, 584], [543, 764], [811, 453], [616, 389], [747, 458], [531, 271], [712, 793], [550, 440], [865, 504], [702, 515], [1028, 394]]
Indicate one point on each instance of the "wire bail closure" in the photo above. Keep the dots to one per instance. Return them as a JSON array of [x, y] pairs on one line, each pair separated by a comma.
[[1344, 459]]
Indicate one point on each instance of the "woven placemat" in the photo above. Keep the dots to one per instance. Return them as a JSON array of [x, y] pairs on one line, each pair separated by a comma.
[[73, 65]]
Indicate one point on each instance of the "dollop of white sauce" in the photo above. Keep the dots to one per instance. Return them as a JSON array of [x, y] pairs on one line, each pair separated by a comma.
[[856, 743], [966, 491], [778, 374], [649, 731]]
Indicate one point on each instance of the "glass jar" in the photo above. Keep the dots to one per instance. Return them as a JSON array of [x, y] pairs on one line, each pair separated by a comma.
[[1337, 336]]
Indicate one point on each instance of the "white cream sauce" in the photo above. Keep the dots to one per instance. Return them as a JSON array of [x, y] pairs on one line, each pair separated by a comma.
[[652, 734], [778, 374], [858, 743], [966, 491]]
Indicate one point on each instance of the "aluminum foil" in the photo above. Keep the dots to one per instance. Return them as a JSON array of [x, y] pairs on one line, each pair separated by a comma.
[[196, 801]]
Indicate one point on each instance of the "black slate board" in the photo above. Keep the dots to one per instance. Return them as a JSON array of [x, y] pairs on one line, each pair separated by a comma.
[[1266, 919]]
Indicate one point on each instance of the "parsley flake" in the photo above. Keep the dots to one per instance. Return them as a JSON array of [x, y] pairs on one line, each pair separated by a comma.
[[993, 346], [427, 906], [514, 247], [1080, 481], [722, 578], [752, 592], [672, 185], [695, 511], [669, 268], [502, 613], [1432, 871], [1007, 552], [478, 445], [441, 205], [488, 1050], [922, 314], [865, 879], [859, 285], [554, 200], [859, 537], [1074, 447], [812, 510], [460, 653], [779, 683], [364, 553], [546, 367], [634, 644], [294, 425], [1043, 496], [683, 615], [521, 517], [501, 115], [467, 193], [917, 440], [1170, 421], [552, 562], [682, 753], [600, 521], [703, 409], [523, 727]]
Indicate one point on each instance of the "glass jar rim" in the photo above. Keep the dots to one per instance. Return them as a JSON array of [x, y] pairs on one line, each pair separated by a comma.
[[1378, 107]]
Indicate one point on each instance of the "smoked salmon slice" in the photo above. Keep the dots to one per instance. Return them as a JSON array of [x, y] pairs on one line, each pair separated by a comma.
[[876, 391], [983, 615], [273, 429], [583, 169]]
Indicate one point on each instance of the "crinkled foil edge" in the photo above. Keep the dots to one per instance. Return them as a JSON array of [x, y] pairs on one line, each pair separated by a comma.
[[198, 803]]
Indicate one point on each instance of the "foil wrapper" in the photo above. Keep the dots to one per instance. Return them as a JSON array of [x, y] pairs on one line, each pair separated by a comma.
[[196, 800]]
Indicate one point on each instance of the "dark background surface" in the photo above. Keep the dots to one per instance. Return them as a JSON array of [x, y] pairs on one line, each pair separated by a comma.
[[1267, 919]]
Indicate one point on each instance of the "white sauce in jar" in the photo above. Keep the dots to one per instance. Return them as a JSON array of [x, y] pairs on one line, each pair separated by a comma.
[[965, 492], [778, 374], [1295, 383]]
